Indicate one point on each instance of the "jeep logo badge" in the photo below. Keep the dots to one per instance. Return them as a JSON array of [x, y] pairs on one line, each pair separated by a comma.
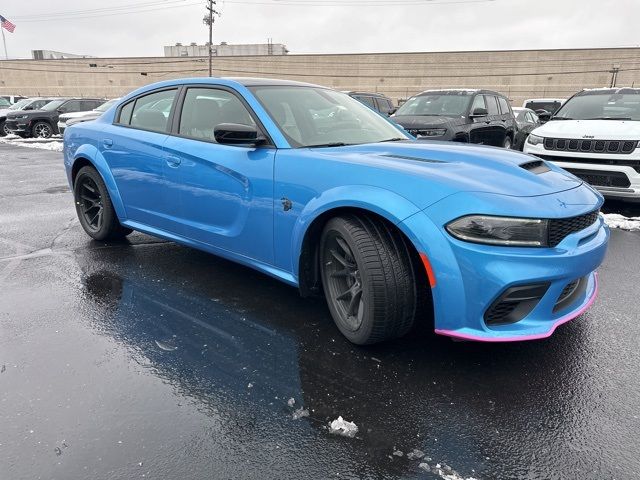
[[588, 136]]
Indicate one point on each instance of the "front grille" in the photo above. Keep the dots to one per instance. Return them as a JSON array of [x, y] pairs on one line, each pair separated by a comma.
[[635, 164], [602, 178], [560, 228], [591, 146]]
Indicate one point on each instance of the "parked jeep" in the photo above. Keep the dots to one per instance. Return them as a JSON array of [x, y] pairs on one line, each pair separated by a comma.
[[24, 104], [43, 123], [471, 116]]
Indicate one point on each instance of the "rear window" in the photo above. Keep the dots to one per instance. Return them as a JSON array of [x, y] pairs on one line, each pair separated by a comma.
[[504, 105], [149, 112]]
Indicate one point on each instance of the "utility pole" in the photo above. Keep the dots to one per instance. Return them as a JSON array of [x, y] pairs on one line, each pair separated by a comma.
[[208, 20], [614, 75]]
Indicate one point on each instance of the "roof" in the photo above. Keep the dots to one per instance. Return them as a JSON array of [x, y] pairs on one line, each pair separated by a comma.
[[610, 91], [255, 82], [468, 91]]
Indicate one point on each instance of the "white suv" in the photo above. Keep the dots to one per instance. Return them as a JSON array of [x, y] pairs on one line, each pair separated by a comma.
[[595, 136]]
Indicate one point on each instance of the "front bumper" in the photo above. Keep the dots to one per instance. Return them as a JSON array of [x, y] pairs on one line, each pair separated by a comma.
[[61, 127], [470, 277], [18, 126], [615, 176]]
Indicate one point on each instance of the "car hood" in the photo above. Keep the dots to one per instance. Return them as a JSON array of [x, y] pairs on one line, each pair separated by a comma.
[[31, 113], [426, 121], [425, 172], [598, 129]]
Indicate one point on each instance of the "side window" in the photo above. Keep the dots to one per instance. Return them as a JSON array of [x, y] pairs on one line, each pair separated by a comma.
[[504, 105], [71, 106], [125, 113], [368, 101], [492, 105], [151, 112], [204, 108], [478, 102], [382, 105], [532, 118]]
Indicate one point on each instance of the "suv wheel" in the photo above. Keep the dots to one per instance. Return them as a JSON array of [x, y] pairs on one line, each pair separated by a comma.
[[42, 130], [507, 143]]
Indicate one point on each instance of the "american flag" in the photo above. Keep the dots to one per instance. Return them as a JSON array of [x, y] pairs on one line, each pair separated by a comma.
[[6, 24]]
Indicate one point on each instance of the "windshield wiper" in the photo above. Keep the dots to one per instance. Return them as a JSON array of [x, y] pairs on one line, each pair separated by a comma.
[[394, 139], [333, 144], [610, 118]]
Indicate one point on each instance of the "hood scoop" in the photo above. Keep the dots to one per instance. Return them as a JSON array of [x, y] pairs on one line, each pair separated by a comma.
[[407, 157], [535, 166]]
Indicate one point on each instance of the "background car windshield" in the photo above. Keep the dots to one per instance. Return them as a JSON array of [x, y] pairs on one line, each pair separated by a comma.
[[550, 107], [445, 105], [310, 116], [602, 105], [4, 102], [106, 106], [21, 103], [53, 105]]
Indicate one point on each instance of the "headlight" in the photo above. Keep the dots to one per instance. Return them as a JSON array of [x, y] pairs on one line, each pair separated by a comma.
[[515, 232], [431, 132], [534, 139], [21, 117]]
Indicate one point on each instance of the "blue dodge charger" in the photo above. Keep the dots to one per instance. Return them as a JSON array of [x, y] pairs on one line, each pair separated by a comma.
[[312, 187]]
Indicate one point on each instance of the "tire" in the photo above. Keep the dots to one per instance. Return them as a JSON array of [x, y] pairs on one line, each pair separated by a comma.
[[368, 279], [94, 208], [3, 131], [507, 143], [41, 130]]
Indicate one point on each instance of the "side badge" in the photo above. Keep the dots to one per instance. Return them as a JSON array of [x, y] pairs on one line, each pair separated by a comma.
[[286, 204]]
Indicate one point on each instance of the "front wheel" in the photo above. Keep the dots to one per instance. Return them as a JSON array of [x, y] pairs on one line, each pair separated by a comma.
[[42, 130], [368, 279], [94, 208]]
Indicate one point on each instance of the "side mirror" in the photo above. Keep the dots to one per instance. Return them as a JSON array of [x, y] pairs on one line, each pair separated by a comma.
[[543, 115], [237, 134], [479, 112]]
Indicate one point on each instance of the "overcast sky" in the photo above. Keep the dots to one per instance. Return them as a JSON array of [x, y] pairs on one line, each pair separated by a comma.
[[321, 26]]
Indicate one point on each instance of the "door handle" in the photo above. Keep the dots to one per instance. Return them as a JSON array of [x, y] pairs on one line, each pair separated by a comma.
[[107, 142], [173, 161]]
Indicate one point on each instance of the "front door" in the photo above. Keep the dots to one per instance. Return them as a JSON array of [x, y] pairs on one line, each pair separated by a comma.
[[226, 192], [133, 148]]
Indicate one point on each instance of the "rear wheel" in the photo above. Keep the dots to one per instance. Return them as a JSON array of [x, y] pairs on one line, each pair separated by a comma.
[[507, 143], [94, 208], [42, 130], [3, 129], [368, 279]]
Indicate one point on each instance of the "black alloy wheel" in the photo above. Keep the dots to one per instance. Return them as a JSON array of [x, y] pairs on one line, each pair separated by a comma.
[[368, 278], [94, 208]]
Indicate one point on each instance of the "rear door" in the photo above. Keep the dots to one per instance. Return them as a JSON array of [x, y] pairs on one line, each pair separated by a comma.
[[498, 130], [480, 131], [133, 148], [226, 191]]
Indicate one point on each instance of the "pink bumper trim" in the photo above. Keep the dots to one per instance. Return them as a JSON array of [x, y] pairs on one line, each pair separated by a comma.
[[535, 336]]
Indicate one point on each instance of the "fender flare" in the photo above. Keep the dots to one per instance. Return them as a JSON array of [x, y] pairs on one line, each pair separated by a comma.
[[364, 197], [93, 156]]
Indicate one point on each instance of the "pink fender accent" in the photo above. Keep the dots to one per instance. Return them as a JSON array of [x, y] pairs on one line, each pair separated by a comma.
[[535, 336]]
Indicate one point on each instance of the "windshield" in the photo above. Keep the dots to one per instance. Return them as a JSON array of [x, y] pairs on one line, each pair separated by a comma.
[[312, 116], [602, 105], [4, 102], [550, 107], [454, 104], [53, 105], [21, 103], [106, 106]]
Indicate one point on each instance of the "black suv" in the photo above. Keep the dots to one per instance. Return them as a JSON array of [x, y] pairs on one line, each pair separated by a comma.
[[472, 116], [378, 102], [44, 122]]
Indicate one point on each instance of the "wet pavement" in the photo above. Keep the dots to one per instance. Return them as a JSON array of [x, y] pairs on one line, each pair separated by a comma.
[[145, 359]]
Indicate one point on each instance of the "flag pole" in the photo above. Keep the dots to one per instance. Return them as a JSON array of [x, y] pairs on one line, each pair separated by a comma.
[[4, 42]]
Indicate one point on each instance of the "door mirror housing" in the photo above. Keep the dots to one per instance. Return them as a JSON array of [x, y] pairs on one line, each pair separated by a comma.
[[479, 112], [543, 115], [237, 134]]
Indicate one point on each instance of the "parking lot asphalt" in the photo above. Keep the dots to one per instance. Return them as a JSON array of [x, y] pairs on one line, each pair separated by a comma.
[[146, 359]]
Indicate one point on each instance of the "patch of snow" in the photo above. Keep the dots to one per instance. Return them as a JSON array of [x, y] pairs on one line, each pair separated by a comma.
[[342, 427], [41, 143], [615, 220], [166, 346], [415, 454], [291, 402], [300, 413], [398, 453], [445, 472]]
